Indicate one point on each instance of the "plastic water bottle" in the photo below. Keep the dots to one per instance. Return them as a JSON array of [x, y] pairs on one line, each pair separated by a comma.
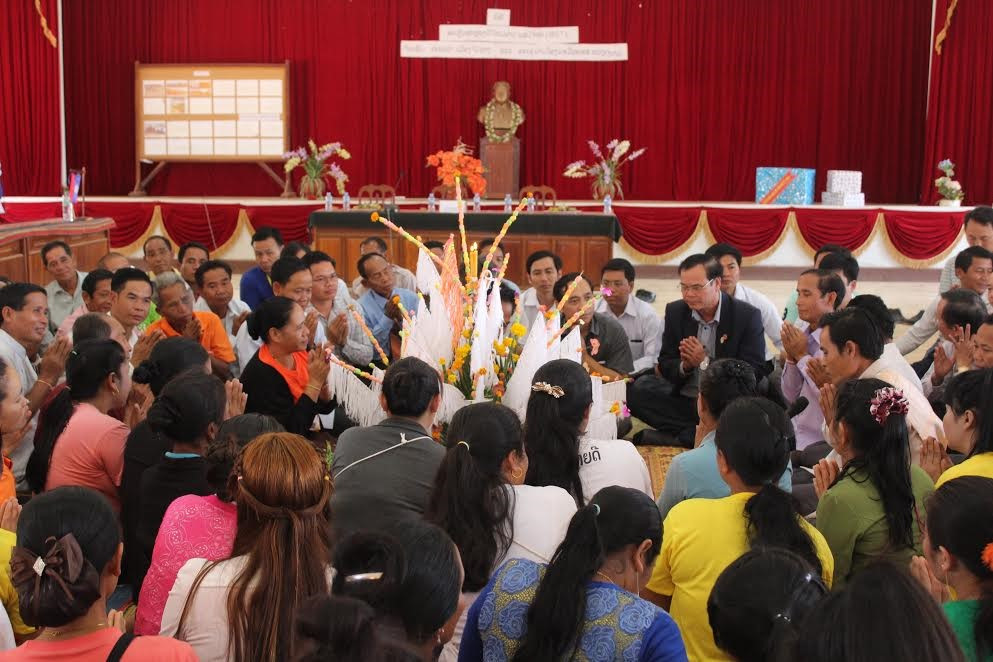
[[606, 204], [531, 203], [328, 202], [508, 203], [475, 202], [346, 201], [68, 213], [431, 202]]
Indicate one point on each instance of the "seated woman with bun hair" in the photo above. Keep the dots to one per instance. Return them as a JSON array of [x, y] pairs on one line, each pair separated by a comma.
[[282, 380], [65, 566]]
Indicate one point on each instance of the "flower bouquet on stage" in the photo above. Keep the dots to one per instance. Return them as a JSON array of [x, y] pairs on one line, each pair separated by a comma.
[[605, 171], [459, 328]]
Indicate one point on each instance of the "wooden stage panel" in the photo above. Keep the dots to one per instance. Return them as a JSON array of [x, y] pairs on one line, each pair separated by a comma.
[[21, 243]]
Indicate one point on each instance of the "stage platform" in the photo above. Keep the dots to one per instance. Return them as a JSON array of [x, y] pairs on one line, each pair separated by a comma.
[[655, 234]]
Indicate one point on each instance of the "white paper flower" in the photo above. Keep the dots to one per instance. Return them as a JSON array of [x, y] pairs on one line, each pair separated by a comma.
[[621, 149]]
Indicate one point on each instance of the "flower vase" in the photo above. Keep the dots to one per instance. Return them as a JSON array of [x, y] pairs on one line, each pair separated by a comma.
[[945, 202], [602, 189], [312, 188]]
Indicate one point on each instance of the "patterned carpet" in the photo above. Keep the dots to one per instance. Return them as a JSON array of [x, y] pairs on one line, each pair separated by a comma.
[[658, 458]]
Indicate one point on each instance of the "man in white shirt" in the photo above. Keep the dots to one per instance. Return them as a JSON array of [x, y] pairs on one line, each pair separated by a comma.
[[23, 322], [730, 259], [881, 315], [978, 228], [974, 269], [544, 269], [331, 302], [191, 255], [213, 279], [958, 309], [131, 301], [65, 293], [97, 297], [845, 265], [402, 278], [639, 320]]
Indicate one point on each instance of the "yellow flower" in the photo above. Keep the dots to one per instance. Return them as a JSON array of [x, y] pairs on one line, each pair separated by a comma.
[[441, 362], [518, 330], [451, 378], [467, 333], [508, 341], [516, 357], [374, 217]]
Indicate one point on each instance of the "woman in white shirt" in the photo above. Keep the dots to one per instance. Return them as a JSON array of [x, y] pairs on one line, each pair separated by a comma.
[[480, 499], [557, 415], [241, 609]]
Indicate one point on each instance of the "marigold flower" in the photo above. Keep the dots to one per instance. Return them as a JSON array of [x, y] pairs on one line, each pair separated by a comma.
[[374, 217]]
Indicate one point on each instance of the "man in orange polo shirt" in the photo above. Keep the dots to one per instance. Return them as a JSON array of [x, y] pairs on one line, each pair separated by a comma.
[[174, 301]]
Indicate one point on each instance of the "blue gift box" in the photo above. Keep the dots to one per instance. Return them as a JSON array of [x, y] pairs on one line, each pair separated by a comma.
[[798, 191]]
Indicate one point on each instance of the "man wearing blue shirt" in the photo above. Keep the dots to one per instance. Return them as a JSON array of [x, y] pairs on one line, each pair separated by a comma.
[[378, 307], [256, 286]]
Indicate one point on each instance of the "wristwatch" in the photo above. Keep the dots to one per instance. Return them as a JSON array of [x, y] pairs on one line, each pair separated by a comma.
[[705, 364]]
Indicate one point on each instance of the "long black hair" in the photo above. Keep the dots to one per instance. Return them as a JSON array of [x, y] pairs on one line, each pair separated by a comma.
[[169, 357], [759, 602], [615, 518], [753, 435], [960, 519], [330, 627], [411, 576], [882, 452], [187, 406], [883, 599], [87, 368], [973, 391], [552, 426], [470, 500]]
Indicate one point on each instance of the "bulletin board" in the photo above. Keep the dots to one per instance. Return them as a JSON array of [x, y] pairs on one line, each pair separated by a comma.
[[212, 112]]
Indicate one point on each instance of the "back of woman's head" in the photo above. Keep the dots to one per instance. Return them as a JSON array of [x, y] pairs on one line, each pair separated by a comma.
[[759, 602], [615, 518], [273, 313], [875, 420], [725, 381], [973, 391], [87, 368], [561, 395], [170, 357], [469, 500], [282, 495], [753, 435], [881, 614], [412, 576], [187, 406], [233, 435], [344, 629], [74, 531], [960, 521]]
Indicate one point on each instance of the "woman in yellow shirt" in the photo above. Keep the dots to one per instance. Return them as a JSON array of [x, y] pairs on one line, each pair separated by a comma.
[[968, 427], [702, 537]]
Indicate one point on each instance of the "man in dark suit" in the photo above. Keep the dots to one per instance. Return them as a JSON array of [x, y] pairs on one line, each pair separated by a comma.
[[703, 326]]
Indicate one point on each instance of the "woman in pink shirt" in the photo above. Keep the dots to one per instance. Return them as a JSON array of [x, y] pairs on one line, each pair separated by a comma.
[[77, 442], [196, 526]]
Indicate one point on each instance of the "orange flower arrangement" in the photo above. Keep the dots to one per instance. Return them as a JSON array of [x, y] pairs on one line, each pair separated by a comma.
[[459, 161]]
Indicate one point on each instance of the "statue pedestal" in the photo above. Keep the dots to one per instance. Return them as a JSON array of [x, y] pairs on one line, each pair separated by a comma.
[[503, 167]]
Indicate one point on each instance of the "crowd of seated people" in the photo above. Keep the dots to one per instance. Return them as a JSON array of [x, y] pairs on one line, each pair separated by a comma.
[[179, 483]]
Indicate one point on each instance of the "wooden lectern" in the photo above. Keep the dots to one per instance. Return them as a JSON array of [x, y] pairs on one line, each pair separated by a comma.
[[503, 167]]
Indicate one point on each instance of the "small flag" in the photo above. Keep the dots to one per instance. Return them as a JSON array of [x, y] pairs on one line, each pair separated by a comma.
[[74, 181]]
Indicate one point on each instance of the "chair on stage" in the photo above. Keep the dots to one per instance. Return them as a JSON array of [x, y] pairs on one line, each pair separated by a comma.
[[442, 192], [544, 196], [376, 194]]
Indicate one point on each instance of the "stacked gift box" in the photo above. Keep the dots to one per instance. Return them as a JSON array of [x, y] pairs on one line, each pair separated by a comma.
[[784, 186], [844, 189]]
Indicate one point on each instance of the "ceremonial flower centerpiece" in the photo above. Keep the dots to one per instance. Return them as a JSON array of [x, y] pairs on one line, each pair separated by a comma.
[[606, 170], [316, 168], [950, 190], [459, 162]]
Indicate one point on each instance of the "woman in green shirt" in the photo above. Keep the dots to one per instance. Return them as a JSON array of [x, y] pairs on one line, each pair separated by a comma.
[[873, 507], [958, 545]]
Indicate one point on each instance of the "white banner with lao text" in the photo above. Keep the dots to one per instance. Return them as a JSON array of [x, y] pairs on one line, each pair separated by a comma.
[[509, 34], [465, 50]]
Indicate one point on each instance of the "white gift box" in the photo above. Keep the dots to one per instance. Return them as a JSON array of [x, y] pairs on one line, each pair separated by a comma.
[[839, 199], [844, 181]]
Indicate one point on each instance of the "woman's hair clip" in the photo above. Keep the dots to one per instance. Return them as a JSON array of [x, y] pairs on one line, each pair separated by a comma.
[[554, 391], [596, 509], [888, 401], [463, 443], [364, 577]]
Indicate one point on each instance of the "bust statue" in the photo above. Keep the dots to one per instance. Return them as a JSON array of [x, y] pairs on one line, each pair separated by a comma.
[[500, 116]]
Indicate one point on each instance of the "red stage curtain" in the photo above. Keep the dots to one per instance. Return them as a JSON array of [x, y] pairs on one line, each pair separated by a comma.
[[657, 230], [752, 231], [960, 122], [713, 89], [848, 228], [211, 225], [132, 219], [17, 212], [922, 235], [291, 221], [29, 100]]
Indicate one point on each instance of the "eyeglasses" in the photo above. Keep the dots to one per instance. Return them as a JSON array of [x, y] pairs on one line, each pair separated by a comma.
[[695, 288]]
